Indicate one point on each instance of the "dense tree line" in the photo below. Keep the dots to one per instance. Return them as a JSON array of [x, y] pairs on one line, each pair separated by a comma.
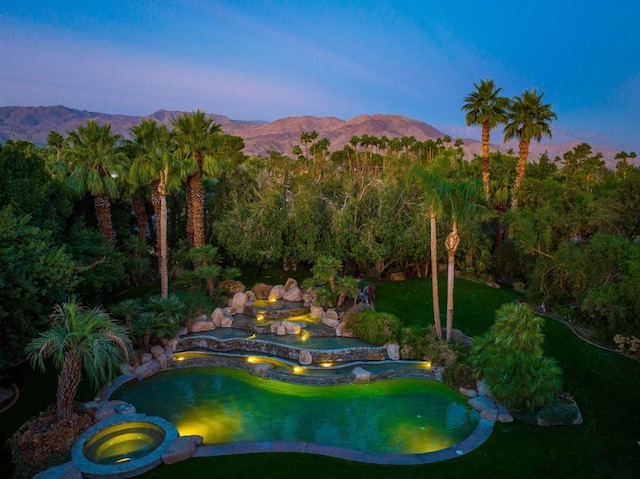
[[93, 214]]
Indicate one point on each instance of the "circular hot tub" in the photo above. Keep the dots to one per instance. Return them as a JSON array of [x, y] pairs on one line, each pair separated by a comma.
[[123, 446]]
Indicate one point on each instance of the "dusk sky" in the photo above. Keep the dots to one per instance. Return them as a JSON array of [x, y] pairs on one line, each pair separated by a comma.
[[265, 60]]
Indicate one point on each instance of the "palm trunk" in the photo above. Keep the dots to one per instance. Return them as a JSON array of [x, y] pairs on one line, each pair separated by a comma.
[[332, 283], [520, 170], [434, 274], [486, 167], [163, 258], [190, 210], [198, 200], [102, 205], [451, 243], [68, 382], [140, 210]]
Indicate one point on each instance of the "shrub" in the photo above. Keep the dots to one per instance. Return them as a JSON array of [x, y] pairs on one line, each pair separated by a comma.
[[560, 411], [423, 343], [229, 287], [510, 359], [459, 374], [376, 328]]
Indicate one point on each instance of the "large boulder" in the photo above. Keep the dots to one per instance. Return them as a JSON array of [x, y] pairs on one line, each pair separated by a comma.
[[157, 351], [217, 316], [291, 327], [393, 351], [227, 322], [106, 409], [170, 345], [261, 290], [331, 314], [489, 414], [482, 388], [343, 329], [470, 393], [273, 327], [239, 301], [200, 326], [276, 293], [290, 283], [305, 357], [261, 370], [316, 311], [361, 375], [104, 413], [147, 369], [326, 320], [181, 448], [480, 403], [293, 294]]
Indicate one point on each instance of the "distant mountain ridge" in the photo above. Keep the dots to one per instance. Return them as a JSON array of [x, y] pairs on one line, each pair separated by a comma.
[[34, 124]]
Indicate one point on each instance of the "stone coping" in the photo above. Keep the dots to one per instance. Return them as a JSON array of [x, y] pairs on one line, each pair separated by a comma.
[[92, 470], [476, 439], [239, 362], [290, 352]]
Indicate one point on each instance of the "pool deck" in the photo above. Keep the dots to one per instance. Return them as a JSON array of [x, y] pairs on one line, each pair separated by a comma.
[[476, 439]]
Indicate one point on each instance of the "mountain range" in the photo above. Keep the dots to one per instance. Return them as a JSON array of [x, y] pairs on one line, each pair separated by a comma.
[[33, 124]]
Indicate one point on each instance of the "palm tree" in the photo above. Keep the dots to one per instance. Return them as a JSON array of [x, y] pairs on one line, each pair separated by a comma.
[[487, 108], [196, 138], [461, 202], [325, 268], [128, 310], [527, 119], [346, 286], [429, 181], [96, 163], [206, 260], [79, 340], [622, 164], [305, 139], [56, 141], [155, 163]]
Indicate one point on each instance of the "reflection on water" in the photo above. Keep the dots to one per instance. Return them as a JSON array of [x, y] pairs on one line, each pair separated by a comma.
[[225, 405]]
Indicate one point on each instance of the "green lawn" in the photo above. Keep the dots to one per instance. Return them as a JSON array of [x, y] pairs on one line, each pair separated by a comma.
[[606, 386]]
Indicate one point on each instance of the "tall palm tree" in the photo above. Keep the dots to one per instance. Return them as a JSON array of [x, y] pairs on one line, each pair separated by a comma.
[[196, 137], [96, 163], [78, 340], [135, 191], [56, 141], [430, 181], [155, 163], [527, 119], [462, 201], [487, 108], [623, 156]]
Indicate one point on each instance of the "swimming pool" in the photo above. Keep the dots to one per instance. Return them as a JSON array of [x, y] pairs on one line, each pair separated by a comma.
[[400, 416]]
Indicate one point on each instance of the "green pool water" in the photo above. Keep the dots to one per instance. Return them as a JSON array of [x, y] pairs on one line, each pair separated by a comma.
[[402, 416]]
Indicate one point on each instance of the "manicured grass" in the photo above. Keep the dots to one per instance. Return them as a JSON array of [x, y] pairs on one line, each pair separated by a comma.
[[606, 386]]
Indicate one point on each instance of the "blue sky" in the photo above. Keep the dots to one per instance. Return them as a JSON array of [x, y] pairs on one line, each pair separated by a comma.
[[263, 60]]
